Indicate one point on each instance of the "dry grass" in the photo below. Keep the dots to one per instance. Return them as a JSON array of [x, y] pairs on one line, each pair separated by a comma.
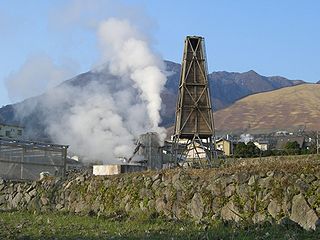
[[288, 164], [290, 107], [306, 164]]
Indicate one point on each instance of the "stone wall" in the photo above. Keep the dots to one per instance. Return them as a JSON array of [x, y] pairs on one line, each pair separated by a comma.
[[201, 195]]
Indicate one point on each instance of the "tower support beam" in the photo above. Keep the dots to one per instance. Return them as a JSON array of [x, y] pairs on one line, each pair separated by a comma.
[[193, 139]]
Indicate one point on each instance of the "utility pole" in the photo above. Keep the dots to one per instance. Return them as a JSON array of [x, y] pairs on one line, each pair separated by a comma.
[[317, 142]]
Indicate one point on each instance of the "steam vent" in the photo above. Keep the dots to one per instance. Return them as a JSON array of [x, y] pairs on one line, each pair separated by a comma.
[[194, 128]]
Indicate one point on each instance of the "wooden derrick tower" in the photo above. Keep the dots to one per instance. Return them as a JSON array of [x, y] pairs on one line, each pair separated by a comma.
[[193, 139]]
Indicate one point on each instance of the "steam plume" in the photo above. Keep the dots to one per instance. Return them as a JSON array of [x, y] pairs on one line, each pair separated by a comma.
[[37, 75], [129, 56], [102, 117]]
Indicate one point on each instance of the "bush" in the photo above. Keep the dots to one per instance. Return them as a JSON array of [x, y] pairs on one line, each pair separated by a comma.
[[292, 148], [246, 150]]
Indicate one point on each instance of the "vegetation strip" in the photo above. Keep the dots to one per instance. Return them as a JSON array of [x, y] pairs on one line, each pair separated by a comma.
[[26, 225]]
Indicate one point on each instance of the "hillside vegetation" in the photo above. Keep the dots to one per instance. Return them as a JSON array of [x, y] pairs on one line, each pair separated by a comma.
[[290, 108]]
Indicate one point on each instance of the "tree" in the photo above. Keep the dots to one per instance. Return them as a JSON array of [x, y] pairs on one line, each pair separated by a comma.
[[246, 150], [240, 149], [252, 149], [292, 147]]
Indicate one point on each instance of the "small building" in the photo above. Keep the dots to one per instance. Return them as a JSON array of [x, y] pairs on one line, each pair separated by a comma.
[[192, 151], [262, 145], [225, 146], [281, 133], [115, 169], [11, 131], [196, 151]]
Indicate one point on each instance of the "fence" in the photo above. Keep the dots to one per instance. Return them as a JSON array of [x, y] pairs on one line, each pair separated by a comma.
[[25, 160]]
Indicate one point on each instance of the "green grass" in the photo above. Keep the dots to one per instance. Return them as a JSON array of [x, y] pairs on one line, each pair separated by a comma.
[[24, 225]]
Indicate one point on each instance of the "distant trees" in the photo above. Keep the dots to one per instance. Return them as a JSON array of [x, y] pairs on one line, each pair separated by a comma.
[[289, 148], [311, 150], [292, 145], [292, 148], [312, 143], [240, 150], [246, 150]]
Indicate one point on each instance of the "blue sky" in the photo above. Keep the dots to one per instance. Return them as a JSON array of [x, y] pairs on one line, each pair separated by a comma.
[[271, 37]]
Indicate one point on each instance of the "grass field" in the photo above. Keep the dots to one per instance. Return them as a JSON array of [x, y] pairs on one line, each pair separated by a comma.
[[23, 225]]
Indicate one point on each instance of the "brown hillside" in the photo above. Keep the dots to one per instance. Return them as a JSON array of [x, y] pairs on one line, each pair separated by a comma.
[[289, 108]]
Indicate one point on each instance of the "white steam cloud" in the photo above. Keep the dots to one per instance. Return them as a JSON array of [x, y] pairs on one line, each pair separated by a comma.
[[101, 118], [129, 56], [101, 123], [37, 75]]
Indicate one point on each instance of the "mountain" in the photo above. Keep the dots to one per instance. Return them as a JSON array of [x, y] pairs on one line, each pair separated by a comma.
[[229, 87], [226, 88], [289, 108]]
